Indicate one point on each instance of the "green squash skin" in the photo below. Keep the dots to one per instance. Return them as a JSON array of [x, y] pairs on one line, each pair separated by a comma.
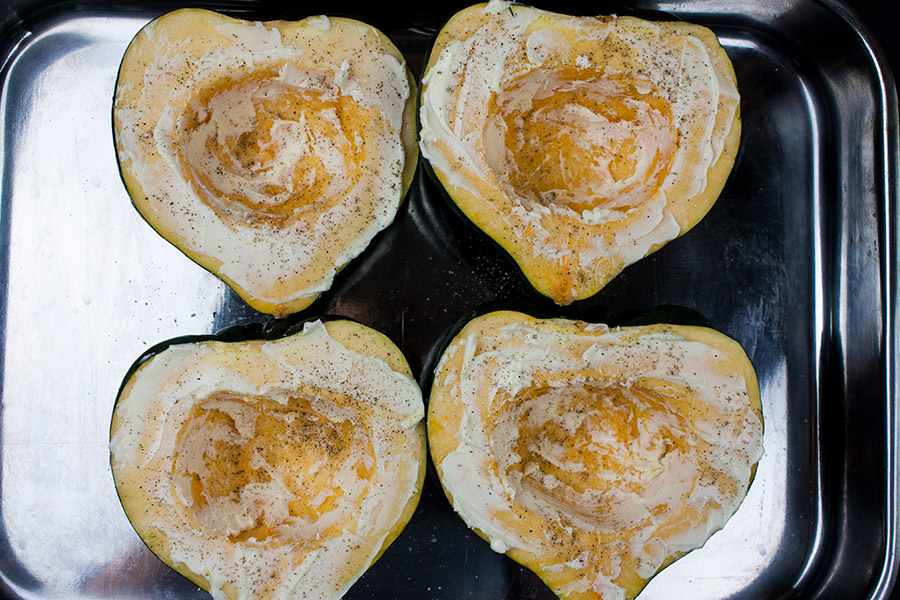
[[645, 14], [272, 330], [408, 173], [682, 317]]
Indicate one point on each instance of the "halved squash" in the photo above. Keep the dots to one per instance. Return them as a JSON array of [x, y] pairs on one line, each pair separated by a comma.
[[594, 456], [269, 153], [578, 144], [266, 469]]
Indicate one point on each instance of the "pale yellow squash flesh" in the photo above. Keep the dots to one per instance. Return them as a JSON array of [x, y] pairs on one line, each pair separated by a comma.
[[312, 480], [580, 145], [593, 456], [269, 153]]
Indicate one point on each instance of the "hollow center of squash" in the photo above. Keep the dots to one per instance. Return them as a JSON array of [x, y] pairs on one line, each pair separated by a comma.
[[262, 147], [257, 467], [579, 138], [602, 456]]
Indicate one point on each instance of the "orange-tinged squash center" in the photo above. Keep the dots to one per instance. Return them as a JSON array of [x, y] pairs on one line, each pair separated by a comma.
[[258, 467], [580, 138], [261, 148], [603, 456]]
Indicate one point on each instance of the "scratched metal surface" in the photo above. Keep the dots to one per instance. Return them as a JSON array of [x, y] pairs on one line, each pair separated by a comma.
[[796, 261]]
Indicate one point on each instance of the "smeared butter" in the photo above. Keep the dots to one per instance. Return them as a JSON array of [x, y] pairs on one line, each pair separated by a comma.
[[593, 455]]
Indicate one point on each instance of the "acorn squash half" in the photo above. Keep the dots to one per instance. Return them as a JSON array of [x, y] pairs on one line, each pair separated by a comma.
[[593, 456], [268, 469], [270, 153], [578, 144]]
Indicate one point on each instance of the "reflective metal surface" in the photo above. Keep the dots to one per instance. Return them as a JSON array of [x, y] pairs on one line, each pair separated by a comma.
[[797, 261]]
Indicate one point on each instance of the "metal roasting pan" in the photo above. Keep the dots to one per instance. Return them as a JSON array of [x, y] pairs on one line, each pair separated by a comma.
[[797, 261]]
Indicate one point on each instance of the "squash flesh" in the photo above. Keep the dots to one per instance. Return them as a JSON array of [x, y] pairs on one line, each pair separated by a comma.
[[269, 153], [580, 145], [288, 467], [594, 457]]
